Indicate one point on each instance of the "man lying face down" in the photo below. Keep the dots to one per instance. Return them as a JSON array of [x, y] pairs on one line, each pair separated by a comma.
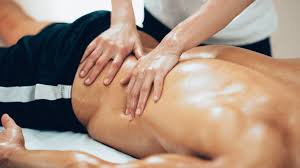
[[238, 110]]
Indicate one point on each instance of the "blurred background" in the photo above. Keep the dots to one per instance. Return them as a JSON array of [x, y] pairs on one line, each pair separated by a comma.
[[285, 40]]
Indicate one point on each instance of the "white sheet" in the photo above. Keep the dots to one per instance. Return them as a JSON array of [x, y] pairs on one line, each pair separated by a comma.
[[46, 140]]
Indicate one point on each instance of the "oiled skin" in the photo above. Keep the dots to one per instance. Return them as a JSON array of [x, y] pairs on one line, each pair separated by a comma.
[[241, 108]]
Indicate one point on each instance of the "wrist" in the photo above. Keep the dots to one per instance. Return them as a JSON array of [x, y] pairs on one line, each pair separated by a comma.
[[171, 45], [120, 21], [7, 157], [123, 25]]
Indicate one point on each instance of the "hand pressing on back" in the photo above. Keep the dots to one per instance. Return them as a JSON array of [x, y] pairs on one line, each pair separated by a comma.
[[114, 44]]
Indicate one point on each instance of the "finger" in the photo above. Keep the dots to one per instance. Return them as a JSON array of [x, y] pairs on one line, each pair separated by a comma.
[[147, 50], [131, 82], [144, 94], [90, 61], [138, 49], [158, 87], [130, 79], [129, 75], [135, 93], [128, 90], [115, 67], [89, 50], [126, 79], [132, 116], [8, 122], [97, 69]]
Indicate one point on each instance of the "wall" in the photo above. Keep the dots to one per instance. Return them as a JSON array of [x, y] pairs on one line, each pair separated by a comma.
[[69, 10], [286, 41]]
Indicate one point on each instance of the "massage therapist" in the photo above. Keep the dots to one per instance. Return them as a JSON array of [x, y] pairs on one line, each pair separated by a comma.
[[179, 25]]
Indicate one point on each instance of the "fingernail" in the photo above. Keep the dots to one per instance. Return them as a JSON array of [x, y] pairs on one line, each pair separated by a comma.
[[106, 81], [126, 112], [139, 112], [87, 81], [82, 73], [155, 98]]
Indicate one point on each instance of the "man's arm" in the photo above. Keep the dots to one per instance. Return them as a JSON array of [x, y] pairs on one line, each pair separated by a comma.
[[262, 153], [73, 159], [53, 159], [14, 154]]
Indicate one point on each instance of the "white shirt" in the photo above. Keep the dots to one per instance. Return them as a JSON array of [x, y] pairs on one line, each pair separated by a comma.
[[255, 23]]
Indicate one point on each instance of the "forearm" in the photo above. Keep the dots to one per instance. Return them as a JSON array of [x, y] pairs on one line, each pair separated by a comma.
[[72, 159], [207, 21], [122, 12], [169, 161], [51, 159]]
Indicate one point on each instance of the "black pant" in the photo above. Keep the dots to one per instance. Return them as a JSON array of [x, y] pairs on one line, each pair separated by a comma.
[[158, 30], [51, 59]]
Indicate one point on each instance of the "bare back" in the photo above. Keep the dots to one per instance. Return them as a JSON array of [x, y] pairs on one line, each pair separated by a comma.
[[209, 108]]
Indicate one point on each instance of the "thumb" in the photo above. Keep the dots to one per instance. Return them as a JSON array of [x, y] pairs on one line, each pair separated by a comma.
[[138, 49], [8, 122]]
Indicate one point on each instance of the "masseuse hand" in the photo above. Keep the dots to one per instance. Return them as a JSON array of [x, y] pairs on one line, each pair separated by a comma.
[[150, 70], [114, 44]]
